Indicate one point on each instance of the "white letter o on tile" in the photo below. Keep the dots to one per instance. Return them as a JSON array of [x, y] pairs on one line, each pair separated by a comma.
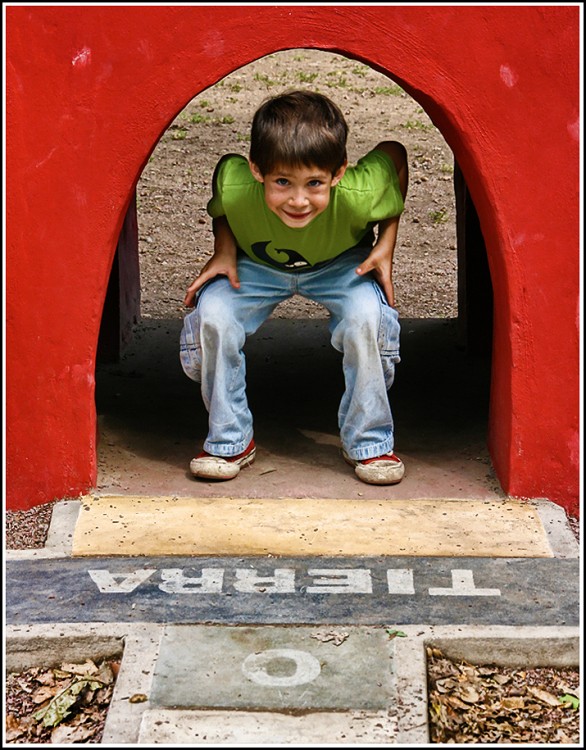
[[255, 667]]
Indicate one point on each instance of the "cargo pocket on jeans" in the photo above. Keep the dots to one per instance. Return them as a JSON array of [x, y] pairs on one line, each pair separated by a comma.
[[388, 338], [190, 346]]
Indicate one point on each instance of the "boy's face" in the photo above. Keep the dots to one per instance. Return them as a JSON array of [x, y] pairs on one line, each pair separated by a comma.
[[298, 194]]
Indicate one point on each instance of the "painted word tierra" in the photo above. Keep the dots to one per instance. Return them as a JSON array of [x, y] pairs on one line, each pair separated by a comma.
[[281, 581]]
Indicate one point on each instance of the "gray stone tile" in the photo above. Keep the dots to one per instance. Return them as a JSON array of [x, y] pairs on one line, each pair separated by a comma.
[[284, 667]]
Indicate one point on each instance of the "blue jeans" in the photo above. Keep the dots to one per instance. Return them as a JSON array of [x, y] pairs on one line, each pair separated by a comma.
[[362, 325]]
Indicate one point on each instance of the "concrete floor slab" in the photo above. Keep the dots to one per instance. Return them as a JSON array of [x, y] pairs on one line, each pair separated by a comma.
[[275, 668], [123, 525], [167, 727]]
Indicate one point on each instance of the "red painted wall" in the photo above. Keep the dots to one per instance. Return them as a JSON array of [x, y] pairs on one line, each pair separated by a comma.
[[90, 90]]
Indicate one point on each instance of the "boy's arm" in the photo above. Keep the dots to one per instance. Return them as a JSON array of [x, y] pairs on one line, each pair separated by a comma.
[[380, 259], [222, 262]]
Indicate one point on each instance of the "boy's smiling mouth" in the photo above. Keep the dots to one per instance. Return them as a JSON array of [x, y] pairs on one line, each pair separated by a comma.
[[296, 220], [297, 215]]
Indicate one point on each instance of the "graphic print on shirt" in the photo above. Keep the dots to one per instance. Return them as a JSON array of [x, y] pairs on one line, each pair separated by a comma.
[[292, 262]]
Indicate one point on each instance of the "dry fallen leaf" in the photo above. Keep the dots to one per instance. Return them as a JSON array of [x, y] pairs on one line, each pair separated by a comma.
[[64, 733], [138, 698], [88, 667], [544, 695], [325, 636], [43, 694], [445, 684], [14, 727], [515, 701], [46, 678], [468, 694]]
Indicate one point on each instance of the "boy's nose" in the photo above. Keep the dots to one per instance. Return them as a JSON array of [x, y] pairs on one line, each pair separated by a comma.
[[299, 199]]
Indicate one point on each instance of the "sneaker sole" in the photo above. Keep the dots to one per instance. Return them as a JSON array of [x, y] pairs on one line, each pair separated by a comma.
[[218, 468], [378, 472]]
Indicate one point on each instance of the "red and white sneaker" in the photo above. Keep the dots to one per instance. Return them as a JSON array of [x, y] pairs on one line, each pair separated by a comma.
[[387, 469], [206, 466]]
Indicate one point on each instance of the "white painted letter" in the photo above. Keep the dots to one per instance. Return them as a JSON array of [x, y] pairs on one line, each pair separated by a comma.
[[116, 583], [348, 581], [282, 582], [400, 581], [174, 581], [463, 585], [257, 667]]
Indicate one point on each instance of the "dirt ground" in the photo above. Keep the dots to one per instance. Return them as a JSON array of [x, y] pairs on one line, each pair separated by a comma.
[[175, 238]]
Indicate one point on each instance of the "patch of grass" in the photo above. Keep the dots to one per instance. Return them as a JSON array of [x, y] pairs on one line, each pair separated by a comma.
[[306, 77], [388, 90], [197, 119], [262, 78], [179, 134], [340, 82], [439, 217], [416, 125]]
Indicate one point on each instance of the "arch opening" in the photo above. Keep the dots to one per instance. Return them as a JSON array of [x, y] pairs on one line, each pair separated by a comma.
[[440, 270]]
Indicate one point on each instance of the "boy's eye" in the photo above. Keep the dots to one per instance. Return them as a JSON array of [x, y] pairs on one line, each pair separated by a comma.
[[315, 183], [282, 181]]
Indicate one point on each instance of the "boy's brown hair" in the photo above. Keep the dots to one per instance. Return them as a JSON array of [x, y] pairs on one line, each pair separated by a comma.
[[298, 128]]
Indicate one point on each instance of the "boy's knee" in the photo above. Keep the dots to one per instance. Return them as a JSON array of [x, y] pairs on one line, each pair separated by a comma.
[[214, 311], [362, 319], [219, 326], [208, 301]]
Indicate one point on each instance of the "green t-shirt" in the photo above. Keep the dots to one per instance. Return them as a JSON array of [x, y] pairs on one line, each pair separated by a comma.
[[367, 193]]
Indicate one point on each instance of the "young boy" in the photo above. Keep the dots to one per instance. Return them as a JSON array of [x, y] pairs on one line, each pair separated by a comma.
[[295, 219]]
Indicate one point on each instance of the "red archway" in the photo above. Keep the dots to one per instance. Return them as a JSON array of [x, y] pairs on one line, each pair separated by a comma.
[[90, 90]]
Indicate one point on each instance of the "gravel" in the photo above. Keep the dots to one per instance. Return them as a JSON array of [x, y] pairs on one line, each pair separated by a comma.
[[27, 529]]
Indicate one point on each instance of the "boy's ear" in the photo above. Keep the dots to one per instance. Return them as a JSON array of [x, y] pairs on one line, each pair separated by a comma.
[[256, 173], [339, 174]]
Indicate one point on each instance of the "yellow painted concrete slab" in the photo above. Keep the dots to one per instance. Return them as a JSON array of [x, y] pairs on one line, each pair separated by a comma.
[[128, 525]]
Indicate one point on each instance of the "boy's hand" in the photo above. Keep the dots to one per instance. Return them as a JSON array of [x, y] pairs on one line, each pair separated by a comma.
[[217, 265], [380, 263]]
